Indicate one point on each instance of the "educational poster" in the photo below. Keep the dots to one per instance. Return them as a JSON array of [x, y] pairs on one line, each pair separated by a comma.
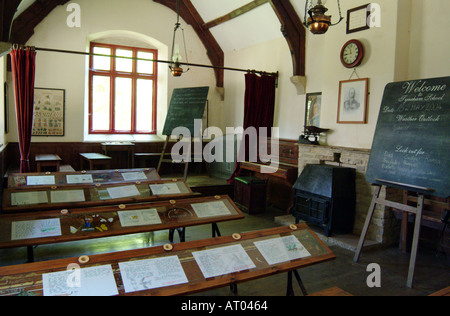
[[48, 112]]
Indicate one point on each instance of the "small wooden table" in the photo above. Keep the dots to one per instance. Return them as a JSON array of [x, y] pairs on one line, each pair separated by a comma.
[[94, 160], [47, 160], [127, 147]]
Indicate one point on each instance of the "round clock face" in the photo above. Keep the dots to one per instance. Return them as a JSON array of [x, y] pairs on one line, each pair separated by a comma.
[[352, 54]]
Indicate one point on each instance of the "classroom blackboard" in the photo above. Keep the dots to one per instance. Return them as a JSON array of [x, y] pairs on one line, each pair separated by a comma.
[[412, 137], [186, 105]]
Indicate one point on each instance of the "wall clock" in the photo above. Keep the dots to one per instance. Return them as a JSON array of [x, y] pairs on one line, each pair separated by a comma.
[[352, 53]]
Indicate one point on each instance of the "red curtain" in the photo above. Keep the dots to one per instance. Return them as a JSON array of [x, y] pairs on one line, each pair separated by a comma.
[[259, 110], [23, 71]]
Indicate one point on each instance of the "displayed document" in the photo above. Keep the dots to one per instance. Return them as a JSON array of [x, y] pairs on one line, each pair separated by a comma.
[[95, 281], [41, 180], [123, 191], [35, 229], [210, 209], [29, 198], [79, 179], [165, 189], [282, 249], [139, 218], [134, 176], [224, 260], [67, 196], [152, 273]]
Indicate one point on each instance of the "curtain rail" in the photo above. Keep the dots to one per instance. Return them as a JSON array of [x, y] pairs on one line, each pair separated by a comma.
[[275, 74]]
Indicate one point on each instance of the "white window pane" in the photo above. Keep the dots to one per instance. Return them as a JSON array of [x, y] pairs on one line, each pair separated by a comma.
[[144, 105], [122, 107], [102, 63], [145, 67], [100, 103], [123, 64]]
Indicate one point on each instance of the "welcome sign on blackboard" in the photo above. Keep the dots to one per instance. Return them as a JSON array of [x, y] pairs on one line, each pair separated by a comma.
[[186, 105], [412, 139]]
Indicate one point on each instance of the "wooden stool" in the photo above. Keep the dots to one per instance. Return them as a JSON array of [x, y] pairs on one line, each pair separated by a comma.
[[48, 160], [94, 160]]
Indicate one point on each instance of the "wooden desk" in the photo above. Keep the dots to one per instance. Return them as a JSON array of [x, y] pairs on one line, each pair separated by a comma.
[[95, 160], [27, 279], [444, 292], [47, 160], [105, 222], [86, 178], [19, 200], [127, 147]]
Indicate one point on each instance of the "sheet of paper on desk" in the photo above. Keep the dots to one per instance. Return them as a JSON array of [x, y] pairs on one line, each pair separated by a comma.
[[134, 176], [223, 260], [79, 178], [152, 273], [40, 180], [95, 281], [139, 218], [278, 250], [67, 196], [165, 189], [29, 198], [123, 191], [210, 209], [35, 229]]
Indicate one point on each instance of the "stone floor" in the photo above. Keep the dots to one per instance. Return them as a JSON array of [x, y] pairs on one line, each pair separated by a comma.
[[432, 272]]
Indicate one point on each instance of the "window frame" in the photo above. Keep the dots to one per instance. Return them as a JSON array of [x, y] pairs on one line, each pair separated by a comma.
[[134, 76]]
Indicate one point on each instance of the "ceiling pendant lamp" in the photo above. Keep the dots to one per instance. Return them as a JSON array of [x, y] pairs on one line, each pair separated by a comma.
[[315, 18], [176, 56]]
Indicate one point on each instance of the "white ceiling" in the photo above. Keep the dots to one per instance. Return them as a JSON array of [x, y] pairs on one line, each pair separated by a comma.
[[254, 27]]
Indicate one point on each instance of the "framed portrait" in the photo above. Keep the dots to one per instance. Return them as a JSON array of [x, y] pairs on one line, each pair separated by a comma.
[[313, 107], [48, 112], [357, 19], [352, 107]]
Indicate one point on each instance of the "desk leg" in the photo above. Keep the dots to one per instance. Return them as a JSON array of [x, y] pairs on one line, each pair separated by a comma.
[[30, 253], [290, 289], [215, 230]]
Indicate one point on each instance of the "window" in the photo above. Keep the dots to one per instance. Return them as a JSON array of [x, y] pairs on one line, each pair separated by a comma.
[[122, 91]]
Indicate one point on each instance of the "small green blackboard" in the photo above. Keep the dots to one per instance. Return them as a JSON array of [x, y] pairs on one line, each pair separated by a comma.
[[187, 105], [412, 139]]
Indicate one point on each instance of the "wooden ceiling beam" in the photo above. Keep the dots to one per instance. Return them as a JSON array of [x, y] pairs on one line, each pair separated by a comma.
[[23, 26], [235, 13], [294, 32], [8, 9]]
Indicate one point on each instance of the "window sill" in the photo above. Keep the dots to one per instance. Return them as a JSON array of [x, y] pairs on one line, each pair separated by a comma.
[[121, 138]]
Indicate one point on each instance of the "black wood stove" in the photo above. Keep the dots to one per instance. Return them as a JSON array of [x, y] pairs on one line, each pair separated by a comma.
[[325, 197]]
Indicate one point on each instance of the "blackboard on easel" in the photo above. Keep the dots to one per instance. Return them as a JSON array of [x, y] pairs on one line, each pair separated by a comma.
[[412, 139], [186, 105]]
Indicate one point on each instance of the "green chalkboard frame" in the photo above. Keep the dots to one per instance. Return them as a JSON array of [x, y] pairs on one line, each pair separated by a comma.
[[412, 138], [186, 106]]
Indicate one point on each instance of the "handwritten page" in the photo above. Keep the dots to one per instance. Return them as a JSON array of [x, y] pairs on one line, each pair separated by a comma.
[[29, 198], [282, 249], [165, 189], [123, 191], [134, 176], [79, 179], [210, 209], [224, 260], [139, 218], [95, 281], [67, 196], [35, 229], [152, 273], [40, 180]]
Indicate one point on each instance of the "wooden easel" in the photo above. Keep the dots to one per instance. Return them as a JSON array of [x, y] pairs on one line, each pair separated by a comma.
[[410, 209], [162, 159]]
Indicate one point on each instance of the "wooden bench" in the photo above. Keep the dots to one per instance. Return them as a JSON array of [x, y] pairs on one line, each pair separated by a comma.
[[95, 160], [105, 221], [27, 279], [47, 160], [444, 292]]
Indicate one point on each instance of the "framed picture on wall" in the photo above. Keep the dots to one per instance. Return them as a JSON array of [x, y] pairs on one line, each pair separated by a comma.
[[48, 112], [357, 19], [313, 107], [352, 107]]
